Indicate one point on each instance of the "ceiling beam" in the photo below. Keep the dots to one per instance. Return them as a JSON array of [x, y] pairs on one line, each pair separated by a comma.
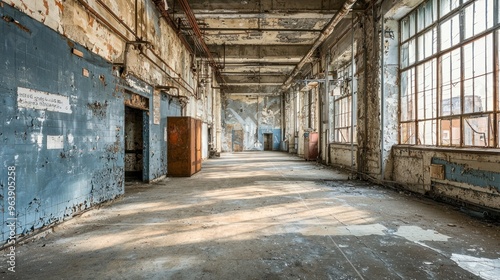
[[252, 73], [259, 29], [225, 14], [241, 84], [322, 37]]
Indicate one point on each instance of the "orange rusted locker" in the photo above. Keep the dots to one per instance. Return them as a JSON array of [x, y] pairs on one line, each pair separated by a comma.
[[198, 145], [183, 158]]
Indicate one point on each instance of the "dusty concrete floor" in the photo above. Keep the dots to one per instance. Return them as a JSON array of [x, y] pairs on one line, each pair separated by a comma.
[[265, 215]]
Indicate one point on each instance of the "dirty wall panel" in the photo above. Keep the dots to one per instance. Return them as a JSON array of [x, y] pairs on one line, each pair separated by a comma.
[[470, 177], [61, 130]]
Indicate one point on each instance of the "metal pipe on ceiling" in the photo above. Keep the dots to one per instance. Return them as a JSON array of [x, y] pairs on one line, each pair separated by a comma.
[[117, 18], [160, 4], [327, 31], [104, 21], [196, 29]]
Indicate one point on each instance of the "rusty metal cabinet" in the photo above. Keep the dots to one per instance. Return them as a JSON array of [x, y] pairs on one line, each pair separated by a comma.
[[310, 145], [183, 146]]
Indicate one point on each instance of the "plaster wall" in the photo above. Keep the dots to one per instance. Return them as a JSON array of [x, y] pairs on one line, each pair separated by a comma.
[[470, 176]]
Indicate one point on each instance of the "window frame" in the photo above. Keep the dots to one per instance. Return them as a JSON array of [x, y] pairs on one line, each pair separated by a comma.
[[410, 128], [346, 80]]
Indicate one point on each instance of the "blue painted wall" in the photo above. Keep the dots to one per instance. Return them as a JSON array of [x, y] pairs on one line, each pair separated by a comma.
[[276, 137], [52, 184], [462, 174], [170, 106]]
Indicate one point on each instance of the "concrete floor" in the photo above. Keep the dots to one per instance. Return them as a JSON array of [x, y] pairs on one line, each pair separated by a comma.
[[264, 215]]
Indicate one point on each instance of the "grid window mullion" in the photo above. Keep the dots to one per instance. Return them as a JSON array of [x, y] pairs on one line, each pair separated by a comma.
[[456, 74]]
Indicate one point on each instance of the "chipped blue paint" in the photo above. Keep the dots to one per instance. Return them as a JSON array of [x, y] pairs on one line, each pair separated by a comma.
[[170, 106], [53, 184], [276, 137], [462, 174]]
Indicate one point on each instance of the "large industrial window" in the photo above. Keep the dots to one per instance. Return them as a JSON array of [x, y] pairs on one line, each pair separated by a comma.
[[449, 74], [344, 94]]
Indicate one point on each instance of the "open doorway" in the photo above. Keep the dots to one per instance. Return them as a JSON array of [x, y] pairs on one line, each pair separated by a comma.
[[134, 144], [268, 141]]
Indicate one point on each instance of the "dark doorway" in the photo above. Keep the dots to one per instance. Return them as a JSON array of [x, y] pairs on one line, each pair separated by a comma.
[[268, 141], [134, 144]]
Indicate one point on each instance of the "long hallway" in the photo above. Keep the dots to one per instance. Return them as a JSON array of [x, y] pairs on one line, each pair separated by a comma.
[[265, 215]]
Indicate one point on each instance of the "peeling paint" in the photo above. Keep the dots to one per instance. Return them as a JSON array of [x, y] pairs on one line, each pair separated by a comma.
[[48, 145], [98, 109], [488, 269]]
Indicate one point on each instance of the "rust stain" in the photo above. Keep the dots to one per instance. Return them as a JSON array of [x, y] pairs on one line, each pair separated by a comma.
[[10, 19], [60, 5], [25, 6], [46, 5], [70, 44], [91, 21]]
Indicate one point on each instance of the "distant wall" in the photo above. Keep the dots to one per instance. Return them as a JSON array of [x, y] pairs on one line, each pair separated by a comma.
[[246, 119]]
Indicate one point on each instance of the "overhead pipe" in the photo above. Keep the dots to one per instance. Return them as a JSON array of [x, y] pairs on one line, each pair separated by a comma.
[[118, 19], [327, 31], [196, 29], [168, 74], [137, 42], [160, 4], [103, 20]]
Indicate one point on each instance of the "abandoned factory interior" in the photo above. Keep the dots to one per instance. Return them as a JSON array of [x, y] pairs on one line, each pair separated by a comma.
[[256, 139]]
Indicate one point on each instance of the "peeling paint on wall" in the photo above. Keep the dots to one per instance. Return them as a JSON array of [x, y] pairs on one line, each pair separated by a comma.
[[463, 174], [57, 151]]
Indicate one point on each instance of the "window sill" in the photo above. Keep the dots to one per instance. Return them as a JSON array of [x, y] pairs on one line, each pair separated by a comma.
[[343, 144], [471, 150]]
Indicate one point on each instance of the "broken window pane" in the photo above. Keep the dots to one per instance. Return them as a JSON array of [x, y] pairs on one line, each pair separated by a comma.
[[408, 95], [408, 133], [477, 131], [427, 45], [450, 132], [478, 70], [479, 16], [450, 32], [426, 90], [426, 14], [427, 132], [412, 24], [404, 57], [450, 83], [448, 5], [405, 28]]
